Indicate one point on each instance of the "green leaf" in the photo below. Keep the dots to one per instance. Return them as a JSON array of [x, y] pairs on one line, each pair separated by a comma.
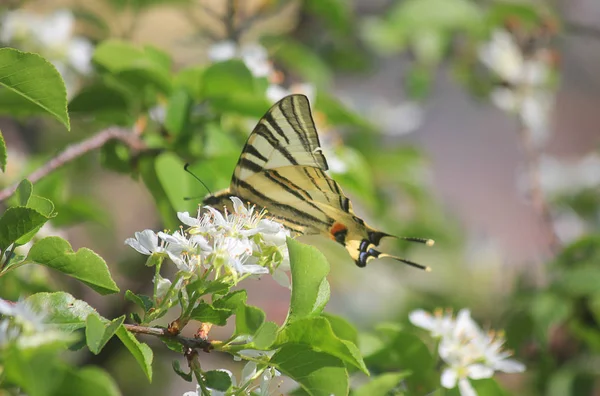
[[61, 309], [227, 78], [141, 301], [488, 387], [414, 15], [206, 313], [265, 336], [178, 111], [299, 58], [217, 380], [180, 372], [102, 101], [317, 334], [175, 181], [98, 332], [325, 375], [140, 351], [34, 78], [338, 114], [407, 351], [3, 154], [41, 205], [147, 167], [384, 384], [24, 191], [140, 66], [582, 280], [17, 222], [232, 301], [342, 328], [248, 320], [37, 372], [310, 289], [89, 381], [85, 265], [243, 103], [190, 79], [337, 13]]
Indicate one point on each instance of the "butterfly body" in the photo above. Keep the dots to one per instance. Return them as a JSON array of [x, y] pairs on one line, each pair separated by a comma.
[[282, 169]]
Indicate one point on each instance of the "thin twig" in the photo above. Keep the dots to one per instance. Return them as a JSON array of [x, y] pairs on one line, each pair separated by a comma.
[[229, 21], [258, 17], [578, 29], [540, 205], [193, 343], [77, 150]]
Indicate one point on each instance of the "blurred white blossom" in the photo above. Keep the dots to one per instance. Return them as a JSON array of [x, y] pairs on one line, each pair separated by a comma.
[[396, 119], [254, 56], [277, 92], [52, 37], [560, 176], [527, 91], [25, 327], [468, 352]]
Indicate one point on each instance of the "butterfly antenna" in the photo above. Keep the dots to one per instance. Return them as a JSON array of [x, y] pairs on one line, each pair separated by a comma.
[[375, 237], [426, 241], [186, 168], [405, 261]]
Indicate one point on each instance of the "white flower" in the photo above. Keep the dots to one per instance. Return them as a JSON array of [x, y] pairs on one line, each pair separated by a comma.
[[528, 94], [398, 119], [52, 37], [145, 242], [162, 286], [222, 51], [276, 92], [22, 314], [254, 56], [466, 349], [439, 325], [564, 175]]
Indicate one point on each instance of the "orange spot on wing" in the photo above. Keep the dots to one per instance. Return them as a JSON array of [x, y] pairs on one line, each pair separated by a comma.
[[335, 228]]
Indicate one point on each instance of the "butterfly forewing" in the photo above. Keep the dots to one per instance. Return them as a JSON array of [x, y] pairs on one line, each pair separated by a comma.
[[285, 136]]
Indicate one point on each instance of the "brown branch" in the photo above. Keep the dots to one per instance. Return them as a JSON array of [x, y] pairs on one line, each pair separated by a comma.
[[540, 205], [127, 136], [187, 342]]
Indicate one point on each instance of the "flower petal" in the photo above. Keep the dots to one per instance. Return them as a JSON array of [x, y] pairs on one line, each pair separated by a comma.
[[465, 388], [449, 377]]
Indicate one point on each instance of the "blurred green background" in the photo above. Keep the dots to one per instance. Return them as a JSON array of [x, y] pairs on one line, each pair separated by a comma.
[[474, 123]]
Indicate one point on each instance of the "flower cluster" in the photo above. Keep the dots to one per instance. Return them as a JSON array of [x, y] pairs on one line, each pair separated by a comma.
[[249, 374], [52, 37], [23, 326], [468, 351], [232, 245], [526, 78], [256, 59]]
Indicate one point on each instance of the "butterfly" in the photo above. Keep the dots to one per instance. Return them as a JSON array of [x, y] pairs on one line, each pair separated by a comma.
[[282, 169]]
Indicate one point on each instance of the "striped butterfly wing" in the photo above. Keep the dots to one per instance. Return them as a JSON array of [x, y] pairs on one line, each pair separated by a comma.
[[301, 197], [282, 169], [286, 135]]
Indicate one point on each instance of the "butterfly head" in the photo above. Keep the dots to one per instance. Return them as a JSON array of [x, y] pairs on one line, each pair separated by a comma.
[[219, 200]]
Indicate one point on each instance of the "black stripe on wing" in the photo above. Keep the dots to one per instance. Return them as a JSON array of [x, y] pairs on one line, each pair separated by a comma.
[[276, 207]]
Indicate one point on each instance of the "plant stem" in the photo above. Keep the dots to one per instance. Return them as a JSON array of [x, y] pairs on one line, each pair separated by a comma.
[[76, 150], [192, 343]]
